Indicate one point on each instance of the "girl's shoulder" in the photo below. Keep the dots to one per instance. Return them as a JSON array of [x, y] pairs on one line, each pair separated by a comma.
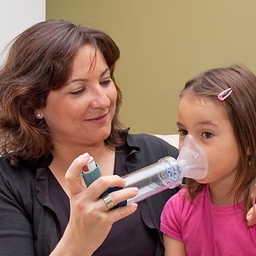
[[181, 202]]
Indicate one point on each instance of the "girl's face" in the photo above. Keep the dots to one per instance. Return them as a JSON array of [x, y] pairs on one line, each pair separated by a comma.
[[80, 113], [208, 123]]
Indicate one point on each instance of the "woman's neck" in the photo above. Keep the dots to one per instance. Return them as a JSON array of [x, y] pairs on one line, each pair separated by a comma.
[[63, 156]]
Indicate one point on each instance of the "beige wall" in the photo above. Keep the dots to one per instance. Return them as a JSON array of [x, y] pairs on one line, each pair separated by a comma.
[[164, 43]]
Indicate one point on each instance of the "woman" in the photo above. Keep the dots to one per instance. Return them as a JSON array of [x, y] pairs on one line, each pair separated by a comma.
[[60, 104]]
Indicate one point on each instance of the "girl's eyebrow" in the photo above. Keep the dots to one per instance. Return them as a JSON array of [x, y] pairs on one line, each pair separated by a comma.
[[85, 79], [201, 123]]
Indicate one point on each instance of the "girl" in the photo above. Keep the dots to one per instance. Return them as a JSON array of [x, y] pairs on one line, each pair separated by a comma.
[[208, 217]]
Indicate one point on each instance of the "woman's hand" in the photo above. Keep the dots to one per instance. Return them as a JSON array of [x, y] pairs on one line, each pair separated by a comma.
[[90, 219], [251, 216]]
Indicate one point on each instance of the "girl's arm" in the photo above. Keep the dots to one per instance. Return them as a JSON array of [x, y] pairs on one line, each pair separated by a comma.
[[173, 247]]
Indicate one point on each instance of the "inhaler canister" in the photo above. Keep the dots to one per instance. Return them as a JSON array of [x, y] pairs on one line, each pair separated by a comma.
[[93, 172]]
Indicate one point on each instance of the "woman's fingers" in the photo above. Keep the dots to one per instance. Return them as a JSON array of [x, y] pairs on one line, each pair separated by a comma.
[[114, 198], [121, 212], [251, 216], [73, 175], [100, 186]]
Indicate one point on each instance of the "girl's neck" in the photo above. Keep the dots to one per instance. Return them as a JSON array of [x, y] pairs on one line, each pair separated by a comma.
[[222, 194]]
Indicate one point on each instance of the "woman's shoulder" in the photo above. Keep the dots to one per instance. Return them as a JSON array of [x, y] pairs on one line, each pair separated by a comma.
[[152, 143], [16, 175], [148, 138], [6, 166]]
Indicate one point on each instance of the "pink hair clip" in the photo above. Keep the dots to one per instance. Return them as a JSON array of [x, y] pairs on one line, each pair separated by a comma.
[[223, 95]]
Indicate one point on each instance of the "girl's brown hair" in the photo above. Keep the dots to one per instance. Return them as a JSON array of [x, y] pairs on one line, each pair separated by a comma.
[[40, 60], [240, 106]]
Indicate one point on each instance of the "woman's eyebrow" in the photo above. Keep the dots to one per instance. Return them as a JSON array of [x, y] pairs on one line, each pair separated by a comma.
[[77, 80], [104, 72]]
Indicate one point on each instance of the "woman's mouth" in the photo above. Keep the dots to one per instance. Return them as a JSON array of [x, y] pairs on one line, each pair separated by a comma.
[[98, 119]]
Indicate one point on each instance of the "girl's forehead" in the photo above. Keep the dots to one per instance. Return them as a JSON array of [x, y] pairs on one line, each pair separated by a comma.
[[193, 104], [200, 99]]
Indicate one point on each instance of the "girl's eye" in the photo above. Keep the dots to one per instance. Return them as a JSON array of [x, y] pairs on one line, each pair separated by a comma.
[[207, 135], [106, 82], [182, 132], [77, 92]]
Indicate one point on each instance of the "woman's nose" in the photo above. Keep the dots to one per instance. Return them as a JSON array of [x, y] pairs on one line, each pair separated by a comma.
[[100, 100]]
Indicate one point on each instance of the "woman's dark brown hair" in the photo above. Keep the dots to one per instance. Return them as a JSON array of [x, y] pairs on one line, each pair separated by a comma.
[[240, 107], [40, 60]]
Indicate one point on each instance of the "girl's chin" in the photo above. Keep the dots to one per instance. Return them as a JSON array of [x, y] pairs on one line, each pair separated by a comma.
[[202, 181]]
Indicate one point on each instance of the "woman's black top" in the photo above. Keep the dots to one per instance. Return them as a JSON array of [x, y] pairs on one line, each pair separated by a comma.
[[34, 209]]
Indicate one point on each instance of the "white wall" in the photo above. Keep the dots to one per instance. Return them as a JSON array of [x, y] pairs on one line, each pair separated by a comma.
[[18, 15]]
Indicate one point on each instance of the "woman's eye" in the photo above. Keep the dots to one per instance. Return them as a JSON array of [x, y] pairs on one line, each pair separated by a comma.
[[182, 132], [106, 82], [77, 92], [207, 135]]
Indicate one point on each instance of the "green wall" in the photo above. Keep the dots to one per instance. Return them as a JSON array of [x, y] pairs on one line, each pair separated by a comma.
[[163, 44]]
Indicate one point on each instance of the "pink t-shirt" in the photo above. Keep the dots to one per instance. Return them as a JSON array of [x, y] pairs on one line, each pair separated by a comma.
[[207, 229]]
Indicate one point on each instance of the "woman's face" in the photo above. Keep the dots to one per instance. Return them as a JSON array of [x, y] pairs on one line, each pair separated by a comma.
[[81, 112], [208, 123]]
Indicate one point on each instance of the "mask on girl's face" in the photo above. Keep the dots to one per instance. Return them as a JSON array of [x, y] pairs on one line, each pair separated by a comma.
[[192, 160]]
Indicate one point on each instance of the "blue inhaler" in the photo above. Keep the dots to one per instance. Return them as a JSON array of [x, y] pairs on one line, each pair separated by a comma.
[[92, 173], [167, 173]]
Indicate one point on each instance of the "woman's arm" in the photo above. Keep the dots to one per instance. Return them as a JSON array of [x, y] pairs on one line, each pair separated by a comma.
[[90, 220], [16, 235]]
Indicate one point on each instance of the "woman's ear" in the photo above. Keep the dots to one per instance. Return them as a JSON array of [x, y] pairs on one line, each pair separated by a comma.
[[38, 114]]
